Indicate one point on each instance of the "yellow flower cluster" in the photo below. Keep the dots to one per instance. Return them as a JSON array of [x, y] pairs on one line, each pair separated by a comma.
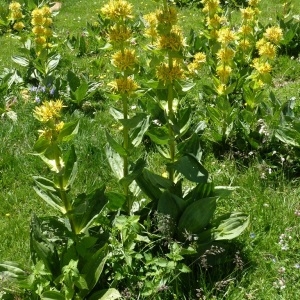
[[226, 36], [211, 7], [16, 15], [168, 74], [49, 111], [151, 25], [124, 60], [262, 67], [223, 73], [273, 34], [246, 31], [225, 55], [267, 52], [119, 34], [42, 21], [167, 16], [172, 41], [197, 63], [124, 86], [117, 10]]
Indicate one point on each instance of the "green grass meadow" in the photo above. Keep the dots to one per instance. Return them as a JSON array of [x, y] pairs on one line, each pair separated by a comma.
[[266, 264]]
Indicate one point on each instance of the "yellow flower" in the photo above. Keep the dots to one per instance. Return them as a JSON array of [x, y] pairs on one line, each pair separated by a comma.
[[124, 60], [224, 72], [38, 30], [172, 41], [167, 74], [167, 16], [18, 26], [225, 36], [200, 58], [244, 44], [14, 6], [117, 10], [151, 21], [46, 11], [124, 85], [246, 29], [48, 22], [119, 34], [17, 15], [273, 34], [225, 55], [267, 50], [40, 40], [221, 89], [248, 13], [253, 2], [37, 17], [211, 6], [260, 43], [215, 21], [50, 110], [261, 67]]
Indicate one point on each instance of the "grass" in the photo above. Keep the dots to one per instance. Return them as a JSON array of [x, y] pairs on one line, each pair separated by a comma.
[[269, 248]]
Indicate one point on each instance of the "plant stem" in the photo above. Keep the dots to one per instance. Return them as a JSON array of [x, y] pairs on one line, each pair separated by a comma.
[[126, 146], [63, 195], [170, 121]]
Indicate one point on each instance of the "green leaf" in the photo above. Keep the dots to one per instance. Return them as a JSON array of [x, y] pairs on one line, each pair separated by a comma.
[[52, 63], [12, 270], [70, 168], [44, 183], [53, 200], [115, 200], [184, 120], [52, 295], [134, 173], [87, 207], [117, 115], [73, 80], [190, 168], [109, 294], [115, 161], [147, 184], [197, 215], [20, 60], [41, 144], [115, 145], [41, 248], [157, 180], [159, 135], [93, 268], [68, 131], [137, 134], [230, 225], [132, 122], [171, 205], [81, 92]]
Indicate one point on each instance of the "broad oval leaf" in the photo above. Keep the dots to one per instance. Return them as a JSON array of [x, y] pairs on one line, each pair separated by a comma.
[[197, 215]]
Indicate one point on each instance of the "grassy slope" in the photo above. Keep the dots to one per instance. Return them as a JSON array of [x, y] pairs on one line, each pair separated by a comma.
[[271, 201]]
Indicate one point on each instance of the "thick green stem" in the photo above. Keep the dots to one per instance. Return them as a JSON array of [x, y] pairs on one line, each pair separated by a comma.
[[126, 147], [170, 121], [63, 195]]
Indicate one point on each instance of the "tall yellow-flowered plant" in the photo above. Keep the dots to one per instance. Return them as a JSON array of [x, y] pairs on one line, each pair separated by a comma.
[[119, 14], [167, 40]]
